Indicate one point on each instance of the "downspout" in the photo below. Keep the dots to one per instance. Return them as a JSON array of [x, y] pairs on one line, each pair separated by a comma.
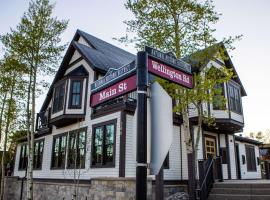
[[21, 195]]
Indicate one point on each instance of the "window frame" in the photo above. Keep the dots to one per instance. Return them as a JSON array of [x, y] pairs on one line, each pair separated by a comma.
[[103, 125], [22, 168], [218, 107], [76, 132], [52, 152], [235, 105], [58, 85], [251, 164], [81, 80], [41, 159]]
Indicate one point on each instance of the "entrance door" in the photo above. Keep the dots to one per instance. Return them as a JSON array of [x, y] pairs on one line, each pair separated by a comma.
[[210, 151]]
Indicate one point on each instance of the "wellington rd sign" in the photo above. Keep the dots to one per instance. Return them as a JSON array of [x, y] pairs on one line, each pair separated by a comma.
[[115, 83], [169, 68]]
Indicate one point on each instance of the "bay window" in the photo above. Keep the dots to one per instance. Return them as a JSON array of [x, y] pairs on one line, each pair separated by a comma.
[[58, 99], [235, 98], [75, 97]]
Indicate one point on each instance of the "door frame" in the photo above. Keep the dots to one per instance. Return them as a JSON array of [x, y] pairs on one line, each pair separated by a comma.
[[203, 140]]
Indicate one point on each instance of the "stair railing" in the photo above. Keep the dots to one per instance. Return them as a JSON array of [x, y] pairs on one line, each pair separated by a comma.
[[206, 178]]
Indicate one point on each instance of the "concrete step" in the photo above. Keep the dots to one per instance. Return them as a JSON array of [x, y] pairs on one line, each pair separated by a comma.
[[245, 191], [241, 185], [237, 197]]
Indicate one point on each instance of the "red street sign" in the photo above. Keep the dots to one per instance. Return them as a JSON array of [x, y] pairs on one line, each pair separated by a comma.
[[116, 90], [169, 73]]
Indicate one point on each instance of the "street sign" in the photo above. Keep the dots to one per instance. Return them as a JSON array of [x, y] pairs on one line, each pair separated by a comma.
[[113, 76], [115, 83], [118, 89], [170, 73], [161, 126], [168, 67]]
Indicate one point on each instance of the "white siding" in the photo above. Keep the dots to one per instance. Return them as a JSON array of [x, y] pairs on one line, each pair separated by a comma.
[[244, 173], [237, 117], [224, 166], [232, 156], [75, 56]]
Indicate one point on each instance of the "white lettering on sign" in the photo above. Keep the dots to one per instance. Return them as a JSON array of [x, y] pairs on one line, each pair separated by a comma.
[[107, 94], [173, 74]]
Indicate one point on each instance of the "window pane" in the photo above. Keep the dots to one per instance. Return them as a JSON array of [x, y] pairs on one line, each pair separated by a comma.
[[109, 142], [75, 93], [98, 145], [59, 152]]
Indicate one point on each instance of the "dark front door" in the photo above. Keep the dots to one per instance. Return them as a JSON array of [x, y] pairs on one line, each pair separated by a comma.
[[238, 166]]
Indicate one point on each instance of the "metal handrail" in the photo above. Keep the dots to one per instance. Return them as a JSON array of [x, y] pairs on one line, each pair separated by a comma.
[[207, 172]]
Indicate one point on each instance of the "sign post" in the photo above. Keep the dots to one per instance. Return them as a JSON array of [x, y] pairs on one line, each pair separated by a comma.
[[141, 168]]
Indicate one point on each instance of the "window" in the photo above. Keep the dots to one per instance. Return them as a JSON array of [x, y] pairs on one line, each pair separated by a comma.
[[218, 99], [58, 100], [59, 151], [250, 156], [77, 148], [75, 97], [23, 157], [38, 154], [103, 144], [234, 97]]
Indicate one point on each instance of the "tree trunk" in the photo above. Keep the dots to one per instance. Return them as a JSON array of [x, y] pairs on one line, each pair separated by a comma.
[[1, 113], [5, 140], [29, 158], [198, 137], [32, 137]]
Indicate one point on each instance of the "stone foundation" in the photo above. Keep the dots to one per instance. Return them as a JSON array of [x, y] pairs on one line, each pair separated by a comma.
[[98, 189]]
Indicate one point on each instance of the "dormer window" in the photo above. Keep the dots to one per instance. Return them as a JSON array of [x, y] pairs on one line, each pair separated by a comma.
[[75, 99], [59, 94]]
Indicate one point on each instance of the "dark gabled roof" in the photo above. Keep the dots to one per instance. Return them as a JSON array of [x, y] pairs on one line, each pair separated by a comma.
[[119, 55], [200, 59], [100, 55], [97, 59], [247, 140]]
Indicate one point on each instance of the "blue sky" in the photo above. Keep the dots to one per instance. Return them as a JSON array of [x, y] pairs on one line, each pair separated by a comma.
[[104, 19]]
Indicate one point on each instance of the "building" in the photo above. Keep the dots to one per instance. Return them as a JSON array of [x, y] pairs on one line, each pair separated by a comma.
[[96, 146]]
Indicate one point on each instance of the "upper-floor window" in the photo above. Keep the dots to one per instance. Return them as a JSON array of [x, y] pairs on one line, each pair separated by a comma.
[[218, 99], [235, 98], [103, 144], [75, 98], [77, 149], [38, 154], [58, 100], [59, 151]]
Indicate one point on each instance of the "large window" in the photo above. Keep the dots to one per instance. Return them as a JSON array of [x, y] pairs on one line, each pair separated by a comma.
[[23, 157], [38, 154], [218, 100], [103, 144], [251, 160], [58, 100], [75, 97], [235, 98], [77, 148], [59, 151]]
